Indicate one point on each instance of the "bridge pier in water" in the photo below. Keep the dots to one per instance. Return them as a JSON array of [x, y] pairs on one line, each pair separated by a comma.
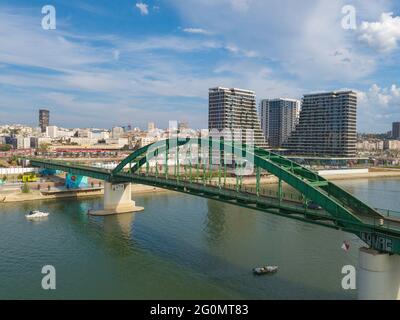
[[378, 275], [117, 199]]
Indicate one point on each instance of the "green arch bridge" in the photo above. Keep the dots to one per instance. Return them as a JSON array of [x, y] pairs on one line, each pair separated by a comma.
[[199, 167]]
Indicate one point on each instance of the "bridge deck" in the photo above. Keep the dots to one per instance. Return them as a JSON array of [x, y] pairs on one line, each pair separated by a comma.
[[249, 195]]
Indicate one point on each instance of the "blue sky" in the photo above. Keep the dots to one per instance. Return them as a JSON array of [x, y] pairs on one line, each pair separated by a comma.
[[130, 62]]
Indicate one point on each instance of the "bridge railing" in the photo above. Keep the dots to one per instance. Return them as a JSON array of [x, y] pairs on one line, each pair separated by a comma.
[[273, 195], [295, 197], [252, 189], [389, 212]]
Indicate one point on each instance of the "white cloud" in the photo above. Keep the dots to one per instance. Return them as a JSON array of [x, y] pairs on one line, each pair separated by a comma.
[[144, 76], [195, 30], [144, 8], [98, 85], [378, 107], [30, 46], [381, 97], [237, 51], [300, 36], [250, 75], [180, 44], [240, 5], [383, 34]]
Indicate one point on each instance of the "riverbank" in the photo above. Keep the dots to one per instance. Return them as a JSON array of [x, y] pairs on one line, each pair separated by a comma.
[[59, 193], [373, 173], [34, 195], [369, 175]]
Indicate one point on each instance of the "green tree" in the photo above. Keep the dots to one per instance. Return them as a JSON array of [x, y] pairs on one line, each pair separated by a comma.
[[26, 188], [13, 161], [44, 147], [5, 147], [4, 164]]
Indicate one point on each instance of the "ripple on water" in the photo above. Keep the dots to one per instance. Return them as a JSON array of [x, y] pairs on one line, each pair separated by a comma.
[[178, 247]]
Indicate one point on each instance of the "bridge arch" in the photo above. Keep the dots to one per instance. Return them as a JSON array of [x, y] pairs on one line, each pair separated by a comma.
[[341, 205]]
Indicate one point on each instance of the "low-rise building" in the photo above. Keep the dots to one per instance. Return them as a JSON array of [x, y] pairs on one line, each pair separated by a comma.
[[117, 132], [100, 134], [20, 142], [146, 140], [36, 142], [83, 141], [391, 145], [370, 145], [52, 132], [120, 142], [84, 133]]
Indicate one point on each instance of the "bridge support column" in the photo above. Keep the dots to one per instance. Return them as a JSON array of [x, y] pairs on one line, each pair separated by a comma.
[[117, 199], [378, 276]]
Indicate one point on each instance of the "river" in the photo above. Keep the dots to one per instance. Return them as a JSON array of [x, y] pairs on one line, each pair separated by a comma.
[[180, 247]]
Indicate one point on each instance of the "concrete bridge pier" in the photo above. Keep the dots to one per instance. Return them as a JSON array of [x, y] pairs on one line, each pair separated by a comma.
[[378, 276], [117, 199]]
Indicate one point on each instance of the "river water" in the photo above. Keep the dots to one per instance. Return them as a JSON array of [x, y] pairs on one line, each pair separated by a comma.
[[180, 247]]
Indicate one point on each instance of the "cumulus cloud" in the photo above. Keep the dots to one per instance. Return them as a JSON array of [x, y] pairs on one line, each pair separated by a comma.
[[378, 107], [381, 97], [143, 8], [383, 34]]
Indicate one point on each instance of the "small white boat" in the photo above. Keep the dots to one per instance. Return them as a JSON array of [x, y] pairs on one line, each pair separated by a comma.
[[265, 270], [36, 214]]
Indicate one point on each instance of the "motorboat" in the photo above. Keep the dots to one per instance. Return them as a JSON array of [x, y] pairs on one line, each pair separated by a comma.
[[35, 214], [265, 270]]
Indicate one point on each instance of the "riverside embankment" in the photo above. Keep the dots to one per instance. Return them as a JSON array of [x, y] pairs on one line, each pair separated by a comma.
[[57, 191]]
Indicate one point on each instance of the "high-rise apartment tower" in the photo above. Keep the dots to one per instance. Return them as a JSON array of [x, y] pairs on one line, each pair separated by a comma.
[[327, 125], [396, 130], [279, 118], [234, 110], [44, 119]]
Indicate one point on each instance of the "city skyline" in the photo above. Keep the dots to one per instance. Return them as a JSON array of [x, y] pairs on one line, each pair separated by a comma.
[[155, 61], [386, 131], [194, 156]]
